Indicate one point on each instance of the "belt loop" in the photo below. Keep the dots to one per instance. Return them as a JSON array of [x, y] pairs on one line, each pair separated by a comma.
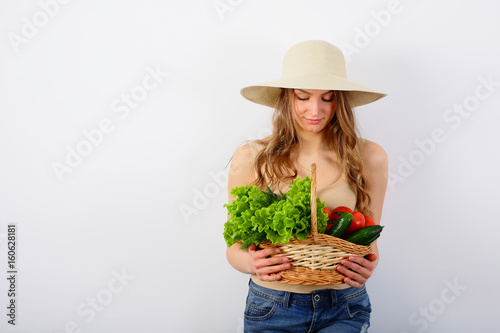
[[286, 299], [333, 295]]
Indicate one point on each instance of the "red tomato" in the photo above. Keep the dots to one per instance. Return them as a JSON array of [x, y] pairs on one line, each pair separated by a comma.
[[334, 216], [327, 211], [369, 220], [328, 226], [358, 222]]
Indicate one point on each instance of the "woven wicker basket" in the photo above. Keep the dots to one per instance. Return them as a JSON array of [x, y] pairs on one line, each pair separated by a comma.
[[315, 259]]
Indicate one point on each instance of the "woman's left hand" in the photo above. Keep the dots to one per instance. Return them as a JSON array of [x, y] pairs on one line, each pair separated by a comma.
[[357, 269]]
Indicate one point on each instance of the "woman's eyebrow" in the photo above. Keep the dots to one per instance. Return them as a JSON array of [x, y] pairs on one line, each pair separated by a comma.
[[306, 92]]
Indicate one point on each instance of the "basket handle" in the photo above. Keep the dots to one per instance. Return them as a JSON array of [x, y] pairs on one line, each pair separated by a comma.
[[314, 219]]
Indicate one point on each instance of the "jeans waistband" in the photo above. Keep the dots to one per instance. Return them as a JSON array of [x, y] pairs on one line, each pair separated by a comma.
[[332, 296]]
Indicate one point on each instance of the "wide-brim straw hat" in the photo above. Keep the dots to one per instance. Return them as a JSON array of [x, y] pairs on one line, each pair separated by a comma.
[[313, 64]]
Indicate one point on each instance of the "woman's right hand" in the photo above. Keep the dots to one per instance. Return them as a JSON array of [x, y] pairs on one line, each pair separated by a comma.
[[262, 264]]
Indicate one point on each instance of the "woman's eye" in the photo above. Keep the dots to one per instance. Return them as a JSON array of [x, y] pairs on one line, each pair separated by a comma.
[[302, 98], [328, 100]]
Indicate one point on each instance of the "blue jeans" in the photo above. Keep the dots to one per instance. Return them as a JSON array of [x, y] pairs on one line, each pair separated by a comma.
[[326, 310]]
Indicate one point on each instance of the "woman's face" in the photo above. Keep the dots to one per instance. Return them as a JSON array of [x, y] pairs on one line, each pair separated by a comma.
[[313, 109]]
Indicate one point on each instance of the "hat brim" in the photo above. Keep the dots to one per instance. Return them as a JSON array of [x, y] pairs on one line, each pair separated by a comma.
[[267, 93]]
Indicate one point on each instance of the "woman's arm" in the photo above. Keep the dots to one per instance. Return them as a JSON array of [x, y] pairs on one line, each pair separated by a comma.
[[251, 260], [358, 269]]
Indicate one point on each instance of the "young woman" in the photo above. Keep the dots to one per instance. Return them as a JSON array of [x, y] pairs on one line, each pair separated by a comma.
[[313, 122]]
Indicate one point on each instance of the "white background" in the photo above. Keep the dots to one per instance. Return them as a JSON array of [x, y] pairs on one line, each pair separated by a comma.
[[146, 200]]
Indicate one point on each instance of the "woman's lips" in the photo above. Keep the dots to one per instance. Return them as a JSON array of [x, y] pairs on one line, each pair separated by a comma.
[[312, 121]]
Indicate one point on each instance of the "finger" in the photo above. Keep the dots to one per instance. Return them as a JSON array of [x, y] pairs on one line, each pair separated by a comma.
[[274, 277], [273, 269], [353, 283], [264, 253], [360, 265], [352, 278], [270, 261], [357, 268], [271, 273], [349, 271], [371, 257]]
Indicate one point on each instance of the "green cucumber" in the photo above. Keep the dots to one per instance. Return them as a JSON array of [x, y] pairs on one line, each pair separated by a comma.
[[341, 225], [365, 235]]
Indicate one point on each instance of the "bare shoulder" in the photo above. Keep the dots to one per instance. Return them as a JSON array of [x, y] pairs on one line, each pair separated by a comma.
[[243, 156], [241, 171], [374, 156]]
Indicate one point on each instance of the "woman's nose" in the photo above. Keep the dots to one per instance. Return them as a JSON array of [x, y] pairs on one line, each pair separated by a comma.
[[314, 108]]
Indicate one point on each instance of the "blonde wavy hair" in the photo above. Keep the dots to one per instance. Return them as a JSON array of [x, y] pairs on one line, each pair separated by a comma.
[[274, 165]]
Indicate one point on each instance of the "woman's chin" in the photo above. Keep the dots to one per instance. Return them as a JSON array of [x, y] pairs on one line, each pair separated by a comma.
[[313, 128]]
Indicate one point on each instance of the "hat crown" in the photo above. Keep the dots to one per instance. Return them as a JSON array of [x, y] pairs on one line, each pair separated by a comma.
[[314, 57], [312, 64]]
